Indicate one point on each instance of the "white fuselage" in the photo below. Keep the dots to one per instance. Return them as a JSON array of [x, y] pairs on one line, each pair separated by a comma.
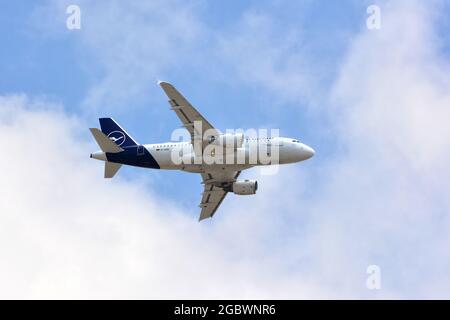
[[254, 152], [219, 157]]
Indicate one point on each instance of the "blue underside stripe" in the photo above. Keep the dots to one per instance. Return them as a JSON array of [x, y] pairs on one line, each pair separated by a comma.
[[131, 157]]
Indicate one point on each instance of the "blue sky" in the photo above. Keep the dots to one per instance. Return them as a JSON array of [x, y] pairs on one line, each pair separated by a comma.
[[45, 59], [373, 104]]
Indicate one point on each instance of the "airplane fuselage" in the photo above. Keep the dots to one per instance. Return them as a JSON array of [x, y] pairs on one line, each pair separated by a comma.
[[219, 157], [181, 155]]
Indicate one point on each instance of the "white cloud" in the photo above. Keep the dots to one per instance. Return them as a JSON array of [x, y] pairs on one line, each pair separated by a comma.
[[383, 199], [389, 191], [68, 233]]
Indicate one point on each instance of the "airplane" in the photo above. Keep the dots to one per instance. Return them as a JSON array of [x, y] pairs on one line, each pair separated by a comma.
[[198, 154]]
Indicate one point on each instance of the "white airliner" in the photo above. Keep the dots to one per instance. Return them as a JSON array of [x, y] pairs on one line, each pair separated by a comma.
[[218, 157]]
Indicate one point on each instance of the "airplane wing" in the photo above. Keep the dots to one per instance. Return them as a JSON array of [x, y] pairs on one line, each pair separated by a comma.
[[186, 112], [214, 193]]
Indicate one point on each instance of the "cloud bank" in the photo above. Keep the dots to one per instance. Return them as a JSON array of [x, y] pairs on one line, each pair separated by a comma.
[[67, 233]]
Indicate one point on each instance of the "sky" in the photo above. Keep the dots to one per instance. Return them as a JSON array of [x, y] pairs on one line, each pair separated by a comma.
[[373, 103]]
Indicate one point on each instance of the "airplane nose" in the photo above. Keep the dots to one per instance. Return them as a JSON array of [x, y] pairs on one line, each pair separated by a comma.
[[309, 152]]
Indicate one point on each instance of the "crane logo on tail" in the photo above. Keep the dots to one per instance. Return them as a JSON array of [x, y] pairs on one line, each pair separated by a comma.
[[118, 137]]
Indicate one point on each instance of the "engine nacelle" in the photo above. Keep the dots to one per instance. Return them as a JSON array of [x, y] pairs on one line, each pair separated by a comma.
[[245, 187], [228, 140]]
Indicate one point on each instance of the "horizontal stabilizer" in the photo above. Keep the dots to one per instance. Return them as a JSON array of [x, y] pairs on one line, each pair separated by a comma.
[[111, 169], [104, 142]]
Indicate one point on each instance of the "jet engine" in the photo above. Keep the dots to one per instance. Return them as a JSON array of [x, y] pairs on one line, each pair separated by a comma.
[[244, 187]]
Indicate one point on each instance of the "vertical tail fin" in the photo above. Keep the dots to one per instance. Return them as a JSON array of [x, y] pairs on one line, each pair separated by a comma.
[[116, 133]]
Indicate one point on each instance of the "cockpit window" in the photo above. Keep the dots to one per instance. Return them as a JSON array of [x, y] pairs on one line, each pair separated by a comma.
[[296, 141]]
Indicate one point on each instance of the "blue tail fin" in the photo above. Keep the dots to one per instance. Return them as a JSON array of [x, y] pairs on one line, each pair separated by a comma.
[[115, 132]]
